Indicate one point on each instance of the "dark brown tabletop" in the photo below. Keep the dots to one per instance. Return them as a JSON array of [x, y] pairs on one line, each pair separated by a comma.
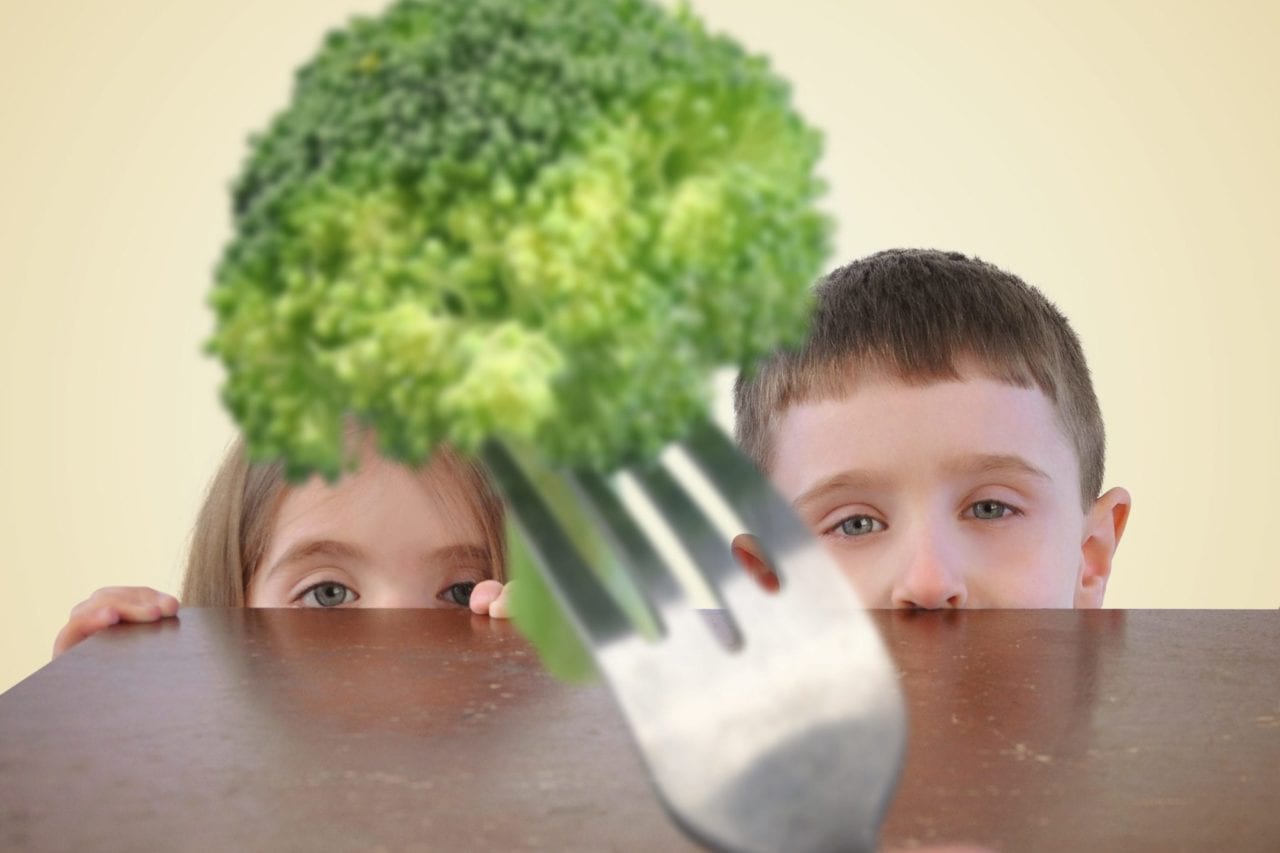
[[300, 730]]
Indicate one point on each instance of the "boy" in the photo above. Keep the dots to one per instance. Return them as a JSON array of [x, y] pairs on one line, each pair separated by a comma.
[[938, 431]]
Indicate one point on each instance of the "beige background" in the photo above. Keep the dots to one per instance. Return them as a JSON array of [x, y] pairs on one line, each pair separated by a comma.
[[1125, 157]]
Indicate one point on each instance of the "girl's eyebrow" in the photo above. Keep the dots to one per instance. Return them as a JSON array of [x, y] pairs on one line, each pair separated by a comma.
[[459, 554], [306, 548]]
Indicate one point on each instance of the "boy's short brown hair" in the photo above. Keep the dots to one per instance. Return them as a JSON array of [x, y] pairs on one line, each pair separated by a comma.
[[915, 314]]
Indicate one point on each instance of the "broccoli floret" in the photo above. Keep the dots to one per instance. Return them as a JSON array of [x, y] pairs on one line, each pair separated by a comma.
[[539, 220]]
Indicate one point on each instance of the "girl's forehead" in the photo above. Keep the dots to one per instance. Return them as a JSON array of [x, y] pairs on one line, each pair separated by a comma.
[[381, 498]]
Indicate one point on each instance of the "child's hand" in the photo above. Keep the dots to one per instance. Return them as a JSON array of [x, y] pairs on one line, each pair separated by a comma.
[[490, 597], [110, 605]]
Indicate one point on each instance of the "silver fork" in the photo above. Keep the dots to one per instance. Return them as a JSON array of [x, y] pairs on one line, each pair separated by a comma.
[[790, 738]]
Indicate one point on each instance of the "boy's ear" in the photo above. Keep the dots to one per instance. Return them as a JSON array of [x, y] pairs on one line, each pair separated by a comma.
[[1104, 526], [748, 554]]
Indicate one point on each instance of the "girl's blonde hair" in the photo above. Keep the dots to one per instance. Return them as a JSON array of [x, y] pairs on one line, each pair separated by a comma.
[[234, 525]]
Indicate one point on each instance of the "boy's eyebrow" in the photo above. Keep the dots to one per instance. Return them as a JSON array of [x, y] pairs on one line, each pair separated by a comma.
[[856, 480], [978, 463], [990, 463]]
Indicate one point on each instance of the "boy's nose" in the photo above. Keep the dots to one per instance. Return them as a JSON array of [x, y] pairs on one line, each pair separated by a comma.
[[930, 580]]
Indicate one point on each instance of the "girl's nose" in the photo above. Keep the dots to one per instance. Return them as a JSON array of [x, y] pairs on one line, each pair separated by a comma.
[[409, 598], [931, 578]]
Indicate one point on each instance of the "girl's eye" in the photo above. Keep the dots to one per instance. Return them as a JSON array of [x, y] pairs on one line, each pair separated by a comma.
[[460, 593], [860, 525], [328, 594], [990, 510]]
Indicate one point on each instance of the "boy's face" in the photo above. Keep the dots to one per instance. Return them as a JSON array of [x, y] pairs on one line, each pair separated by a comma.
[[955, 494]]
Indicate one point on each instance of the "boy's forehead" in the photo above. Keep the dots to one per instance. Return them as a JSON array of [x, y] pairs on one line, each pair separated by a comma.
[[881, 422]]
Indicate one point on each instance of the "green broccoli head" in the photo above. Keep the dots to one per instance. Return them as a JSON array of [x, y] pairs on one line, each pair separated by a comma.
[[537, 220]]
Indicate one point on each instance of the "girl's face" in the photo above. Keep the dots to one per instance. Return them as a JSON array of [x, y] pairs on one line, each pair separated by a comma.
[[383, 536]]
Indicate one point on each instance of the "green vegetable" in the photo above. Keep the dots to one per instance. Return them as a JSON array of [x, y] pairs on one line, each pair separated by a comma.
[[539, 617], [540, 220], [543, 221]]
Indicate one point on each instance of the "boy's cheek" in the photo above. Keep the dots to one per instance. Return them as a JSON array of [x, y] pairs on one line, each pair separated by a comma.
[[1037, 575], [1030, 572], [863, 571], [1017, 593]]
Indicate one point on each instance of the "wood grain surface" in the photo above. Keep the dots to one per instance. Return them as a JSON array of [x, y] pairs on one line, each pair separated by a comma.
[[431, 730]]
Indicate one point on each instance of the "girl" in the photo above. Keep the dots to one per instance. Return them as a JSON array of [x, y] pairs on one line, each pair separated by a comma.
[[382, 536]]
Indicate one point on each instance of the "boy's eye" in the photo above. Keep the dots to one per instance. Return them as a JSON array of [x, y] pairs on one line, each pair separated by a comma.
[[328, 594], [990, 510], [860, 525], [460, 593]]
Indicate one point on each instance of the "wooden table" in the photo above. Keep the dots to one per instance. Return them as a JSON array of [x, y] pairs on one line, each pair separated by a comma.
[[292, 730]]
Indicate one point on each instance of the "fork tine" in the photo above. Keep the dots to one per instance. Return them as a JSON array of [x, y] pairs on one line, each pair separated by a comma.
[[598, 617], [784, 537], [669, 603], [710, 551], [641, 560]]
